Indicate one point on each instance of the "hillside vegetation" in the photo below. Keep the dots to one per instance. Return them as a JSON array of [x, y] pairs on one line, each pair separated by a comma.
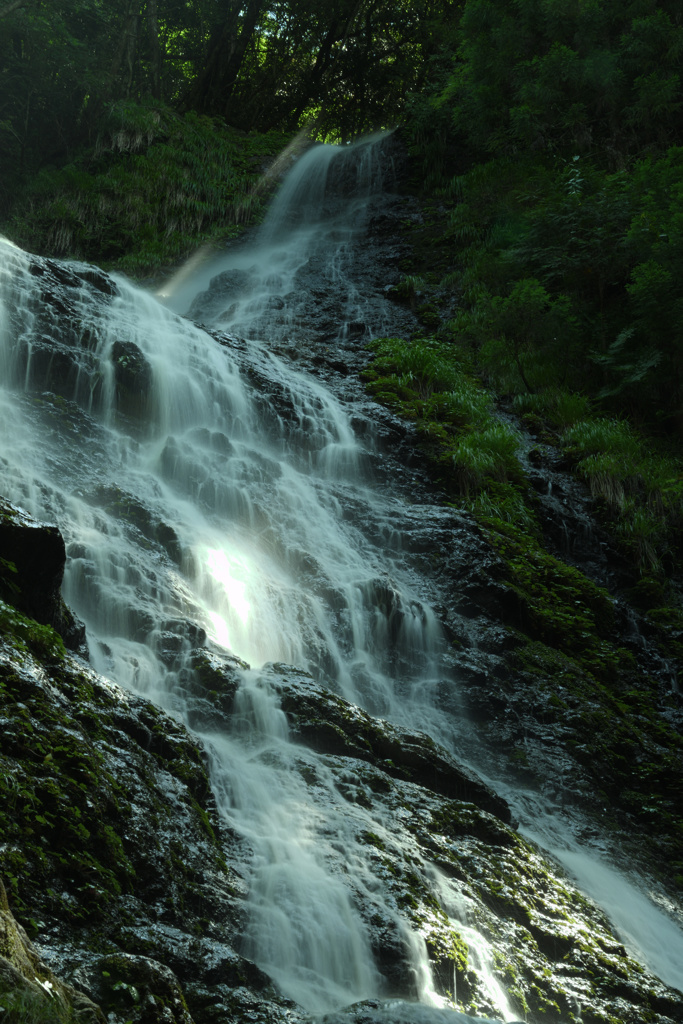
[[547, 147]]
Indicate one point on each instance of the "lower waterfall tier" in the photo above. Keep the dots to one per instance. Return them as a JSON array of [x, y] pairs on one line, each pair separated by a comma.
[[300, 760]]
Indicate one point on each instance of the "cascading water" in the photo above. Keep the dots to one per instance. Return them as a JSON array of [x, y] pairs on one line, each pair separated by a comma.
[[207, 488]]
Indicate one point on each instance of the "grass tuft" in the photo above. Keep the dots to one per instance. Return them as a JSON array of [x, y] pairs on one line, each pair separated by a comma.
[[641, 489]]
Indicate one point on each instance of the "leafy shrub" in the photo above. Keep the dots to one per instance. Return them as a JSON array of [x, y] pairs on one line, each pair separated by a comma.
[[425, 380], [559, 408]]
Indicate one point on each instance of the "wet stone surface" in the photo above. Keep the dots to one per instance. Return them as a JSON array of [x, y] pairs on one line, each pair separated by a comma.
[[112, 843]]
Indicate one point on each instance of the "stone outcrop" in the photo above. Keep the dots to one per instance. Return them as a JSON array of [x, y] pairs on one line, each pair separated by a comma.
[[111, 844], [133, 883], [114, 851], [31, 571], [325, 722]]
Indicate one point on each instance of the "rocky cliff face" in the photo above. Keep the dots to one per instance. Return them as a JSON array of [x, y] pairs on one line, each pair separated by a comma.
[[118, 848], [117, 860]]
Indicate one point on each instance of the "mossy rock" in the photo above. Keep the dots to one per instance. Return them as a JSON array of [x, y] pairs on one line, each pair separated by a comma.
[[135, 988], [30, 993]]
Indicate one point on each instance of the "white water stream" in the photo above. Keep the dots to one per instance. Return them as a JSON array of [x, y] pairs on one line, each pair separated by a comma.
[[282, 550]]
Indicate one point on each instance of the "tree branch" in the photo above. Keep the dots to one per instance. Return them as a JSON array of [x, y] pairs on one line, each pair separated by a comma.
[[8, 8]]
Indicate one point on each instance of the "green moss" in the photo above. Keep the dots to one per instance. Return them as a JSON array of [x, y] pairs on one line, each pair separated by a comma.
[[615, 731], [557, 603], [568, 646], [63, 816], [27, 634], [373, 840], [56, 803], [456, 819]]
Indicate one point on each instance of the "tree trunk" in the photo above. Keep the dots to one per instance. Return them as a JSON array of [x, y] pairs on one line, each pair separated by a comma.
[[25, 134], [155, 49], [338, 32], [211, 90], [125, 52], [232, 68]]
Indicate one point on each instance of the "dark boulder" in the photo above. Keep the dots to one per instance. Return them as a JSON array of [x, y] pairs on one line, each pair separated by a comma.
[[133, 380], [136, 987], [32, 557]]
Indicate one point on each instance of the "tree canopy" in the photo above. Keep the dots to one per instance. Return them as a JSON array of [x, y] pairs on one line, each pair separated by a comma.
[[547, 146], [566, 227], [551, 131], [64, 64]]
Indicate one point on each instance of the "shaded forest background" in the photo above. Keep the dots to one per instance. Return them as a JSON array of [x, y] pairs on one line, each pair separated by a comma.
[[546, 139]]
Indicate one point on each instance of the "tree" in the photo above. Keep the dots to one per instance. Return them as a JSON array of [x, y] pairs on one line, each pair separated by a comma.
[[348, 65], [211, 90], [569, 77], [13, 6]]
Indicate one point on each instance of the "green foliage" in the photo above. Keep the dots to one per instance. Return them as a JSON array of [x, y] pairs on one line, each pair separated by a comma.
[[337, 69], [8, 571], [567, 236], [409, 287], [159, 186], [527, 338], [43, 641], [499, 502], [425, 380], [600, 318], [560, 409], [27, 1006], [489, 454], [567, 77], [349, 67], [63, 65], [642, 489], [429, 368], [567, 242]]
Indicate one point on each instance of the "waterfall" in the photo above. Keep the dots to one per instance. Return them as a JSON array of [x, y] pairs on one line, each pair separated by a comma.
[[211, 489]]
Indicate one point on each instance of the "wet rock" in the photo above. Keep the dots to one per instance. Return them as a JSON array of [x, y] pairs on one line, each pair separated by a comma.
[[137, 988], [133, 380], [210, 691], [129, 509], [131, 856], [153, 872], [128, 830], [223, 289], [38, 554], [72, 275], [327, 723], [376, 1011], [62, 354], [29, 990], [32, 557]]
